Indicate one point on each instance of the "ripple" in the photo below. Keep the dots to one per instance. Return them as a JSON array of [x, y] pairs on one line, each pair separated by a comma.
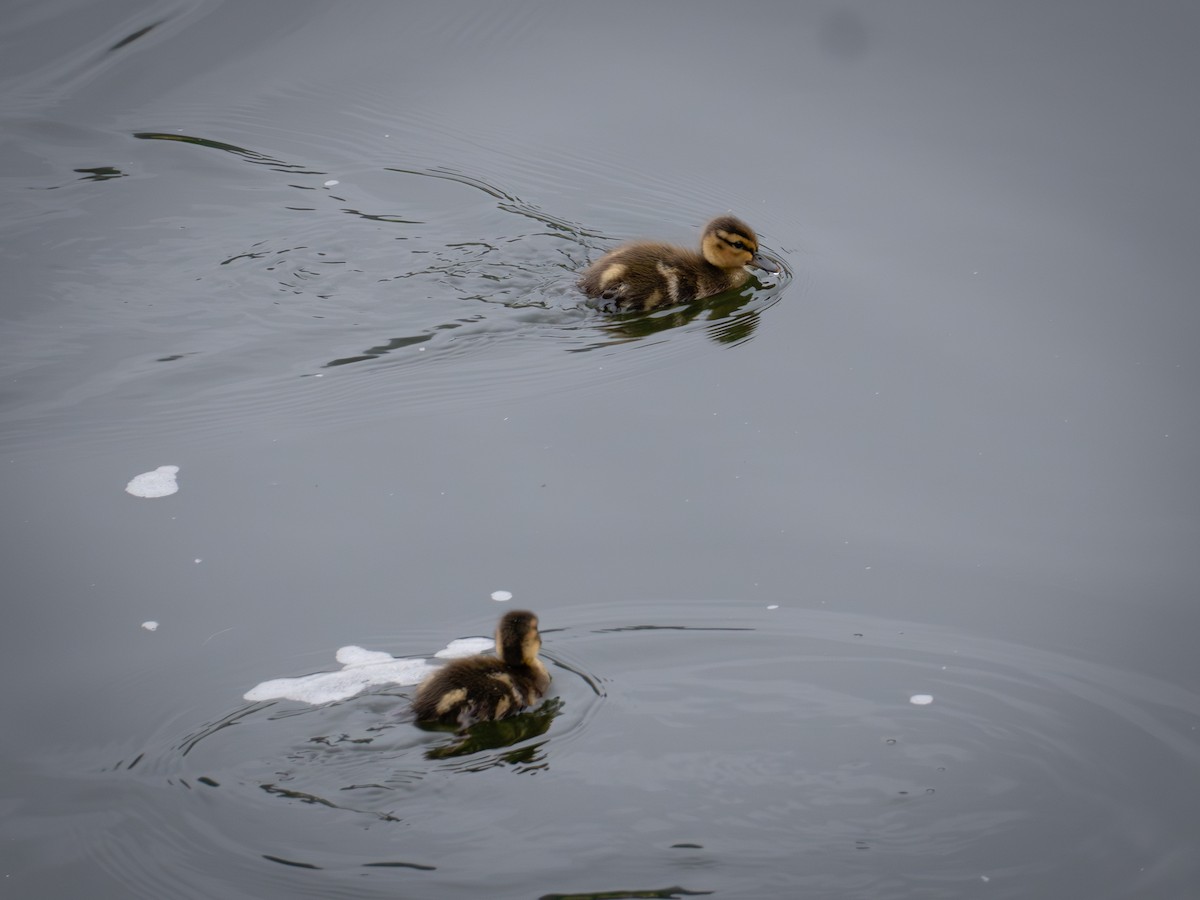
[[349, 289], [772, 748]]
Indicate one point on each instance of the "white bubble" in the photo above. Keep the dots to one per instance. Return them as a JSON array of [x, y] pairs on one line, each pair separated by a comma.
[[150, 626], [921, 699], [159, 483], [465, 647], [351, 656], [501, 596], [773, 606], [362, 669], [331, 182]]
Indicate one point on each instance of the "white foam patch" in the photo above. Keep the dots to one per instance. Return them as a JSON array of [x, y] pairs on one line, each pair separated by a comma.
[[501, 596], [359, 656], [362, 669], [150, 626], [921, 699], [159, 483], [465, 647]]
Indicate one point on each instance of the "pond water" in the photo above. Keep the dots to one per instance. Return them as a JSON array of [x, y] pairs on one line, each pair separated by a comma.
[[876, 579]]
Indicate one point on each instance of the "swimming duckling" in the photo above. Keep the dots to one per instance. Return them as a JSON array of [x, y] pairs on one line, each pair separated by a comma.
[[643, 274], [486, 688]]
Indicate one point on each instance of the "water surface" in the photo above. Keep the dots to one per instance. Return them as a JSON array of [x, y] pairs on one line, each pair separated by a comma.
[[322, 260]]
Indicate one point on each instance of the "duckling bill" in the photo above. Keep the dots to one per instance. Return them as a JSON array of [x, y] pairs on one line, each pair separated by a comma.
[[486, 688], [644, 275]]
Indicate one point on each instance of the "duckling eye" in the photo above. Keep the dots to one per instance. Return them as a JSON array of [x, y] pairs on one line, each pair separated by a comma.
[[738, 245]]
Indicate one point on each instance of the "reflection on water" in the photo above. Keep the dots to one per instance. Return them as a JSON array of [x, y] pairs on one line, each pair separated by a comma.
[[437, 284], [731, 317], [101, 173], [748, 742], [670, 893], [503, 733], [133, 36], [263, 240], [250, 156], [510, 269]]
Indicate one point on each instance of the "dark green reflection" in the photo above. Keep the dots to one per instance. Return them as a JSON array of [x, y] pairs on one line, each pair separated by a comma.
[[100, 173], [130, 38], [504, 733], [248, 155], [663, 893], [729, 322], [380, 350]]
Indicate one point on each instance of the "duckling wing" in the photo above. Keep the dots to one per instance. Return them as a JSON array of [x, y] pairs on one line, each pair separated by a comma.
[[644, 275]]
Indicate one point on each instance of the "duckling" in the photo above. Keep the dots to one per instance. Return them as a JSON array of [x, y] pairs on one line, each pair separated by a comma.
[[644, 275], [486, 688]]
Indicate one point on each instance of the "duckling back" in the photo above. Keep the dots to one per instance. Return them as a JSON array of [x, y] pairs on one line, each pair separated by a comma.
[[479, 689], [645, 275], [485, 688]]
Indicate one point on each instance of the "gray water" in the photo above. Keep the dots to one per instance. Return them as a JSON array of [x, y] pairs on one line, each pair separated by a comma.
[[321, 258]]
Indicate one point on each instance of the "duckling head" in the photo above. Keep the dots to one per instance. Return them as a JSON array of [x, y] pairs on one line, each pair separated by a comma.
[[517, 638], [729, 243]]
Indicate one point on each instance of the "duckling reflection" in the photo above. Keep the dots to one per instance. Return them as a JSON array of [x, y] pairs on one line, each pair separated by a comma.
[[644, 275], [729, 322], [501, 733], [486, 688]]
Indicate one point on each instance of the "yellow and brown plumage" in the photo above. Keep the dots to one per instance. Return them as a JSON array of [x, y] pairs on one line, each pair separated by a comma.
[[485, 688], [644, 275]]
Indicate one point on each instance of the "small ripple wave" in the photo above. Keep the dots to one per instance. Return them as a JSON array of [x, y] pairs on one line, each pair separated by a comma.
[[346, 293]]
